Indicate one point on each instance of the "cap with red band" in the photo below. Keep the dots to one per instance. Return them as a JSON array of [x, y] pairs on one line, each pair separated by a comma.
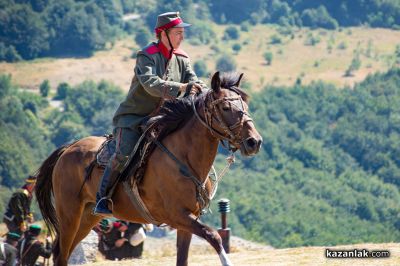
[[169, 20]]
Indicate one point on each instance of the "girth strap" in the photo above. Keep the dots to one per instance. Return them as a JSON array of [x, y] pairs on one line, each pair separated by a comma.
[[136, 200], [201, 193]]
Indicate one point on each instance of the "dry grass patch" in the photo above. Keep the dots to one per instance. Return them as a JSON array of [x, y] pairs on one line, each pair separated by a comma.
[[292, 58]]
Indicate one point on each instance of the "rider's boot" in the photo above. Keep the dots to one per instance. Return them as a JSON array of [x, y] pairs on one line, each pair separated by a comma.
[[103, 196]]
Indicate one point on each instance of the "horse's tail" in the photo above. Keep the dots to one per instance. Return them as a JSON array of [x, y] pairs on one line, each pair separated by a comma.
[[44, 189]]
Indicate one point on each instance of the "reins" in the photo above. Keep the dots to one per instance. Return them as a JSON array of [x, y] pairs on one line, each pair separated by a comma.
[[202, 195]]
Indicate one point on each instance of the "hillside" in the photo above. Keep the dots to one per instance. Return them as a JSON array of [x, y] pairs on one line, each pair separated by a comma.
[[328, 172], [293, 57]]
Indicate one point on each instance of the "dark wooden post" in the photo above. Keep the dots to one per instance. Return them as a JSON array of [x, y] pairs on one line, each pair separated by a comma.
[[224, 231]]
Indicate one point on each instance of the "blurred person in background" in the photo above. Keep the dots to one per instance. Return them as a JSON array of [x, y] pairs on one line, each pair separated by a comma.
[[18, 213], [30, 248], [8, 249]]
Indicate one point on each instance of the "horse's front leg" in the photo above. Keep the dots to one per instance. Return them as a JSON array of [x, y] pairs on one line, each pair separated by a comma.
[[182, 245], [190, 223]]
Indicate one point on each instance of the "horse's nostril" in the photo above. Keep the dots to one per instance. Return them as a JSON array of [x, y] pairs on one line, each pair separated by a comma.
[[251, 142]]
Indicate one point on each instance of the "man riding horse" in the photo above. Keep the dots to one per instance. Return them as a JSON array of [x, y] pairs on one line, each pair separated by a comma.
[[162, 71]]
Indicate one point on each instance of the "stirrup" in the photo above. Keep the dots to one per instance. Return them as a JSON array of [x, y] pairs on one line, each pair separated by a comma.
[[105, 211]]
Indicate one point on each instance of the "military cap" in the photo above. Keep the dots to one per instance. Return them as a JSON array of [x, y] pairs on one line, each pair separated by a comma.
[[105, 224], [13, 236], [119, 223], [35, 229], [169, 20], [31, 179]]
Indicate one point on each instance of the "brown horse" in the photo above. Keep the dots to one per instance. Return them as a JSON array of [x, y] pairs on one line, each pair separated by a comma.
[[170, 196]]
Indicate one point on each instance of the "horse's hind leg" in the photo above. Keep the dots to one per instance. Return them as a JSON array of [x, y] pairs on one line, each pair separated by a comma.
[[88, 221], [182, 245], [69, 224], [190, 223]]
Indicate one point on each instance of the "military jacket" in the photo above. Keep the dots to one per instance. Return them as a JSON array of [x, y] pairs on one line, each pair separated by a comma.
[[153, 80], [18, 207], [8, 254], [30, 249]]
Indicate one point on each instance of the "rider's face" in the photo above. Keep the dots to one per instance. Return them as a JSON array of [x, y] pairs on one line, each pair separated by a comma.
[[176, 35]]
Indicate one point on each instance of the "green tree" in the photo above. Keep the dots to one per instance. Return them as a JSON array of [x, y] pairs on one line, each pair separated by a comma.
[[24, 30], [268, 57], [226, 63], [142, 36], [62, 91], [354, 65], [44, 88], [397, 54], [200, 68], [318, 18], [5, 85], [8, 53], [201, 33]]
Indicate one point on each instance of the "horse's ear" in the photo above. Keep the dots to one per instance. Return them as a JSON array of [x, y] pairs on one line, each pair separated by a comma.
[[216, 82], [237, 84]]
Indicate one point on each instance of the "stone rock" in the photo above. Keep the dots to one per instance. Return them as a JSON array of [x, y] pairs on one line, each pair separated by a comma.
[[85, 251]]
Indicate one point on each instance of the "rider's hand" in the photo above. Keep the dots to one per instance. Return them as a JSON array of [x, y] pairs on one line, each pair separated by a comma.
[[195, 89], [190, 88]]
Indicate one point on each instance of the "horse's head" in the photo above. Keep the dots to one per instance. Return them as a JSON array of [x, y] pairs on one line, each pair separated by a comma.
[[227, 113]]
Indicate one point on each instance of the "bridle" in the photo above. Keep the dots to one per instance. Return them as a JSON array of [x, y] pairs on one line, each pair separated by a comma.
[[231, 133]]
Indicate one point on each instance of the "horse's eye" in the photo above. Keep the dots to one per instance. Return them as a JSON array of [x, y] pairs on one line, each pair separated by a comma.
[[225, 108]]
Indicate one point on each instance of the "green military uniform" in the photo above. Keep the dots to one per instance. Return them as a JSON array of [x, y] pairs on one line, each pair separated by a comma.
[[152, 82], [159, 73], [8, 252], [30, 248], [18, 210]]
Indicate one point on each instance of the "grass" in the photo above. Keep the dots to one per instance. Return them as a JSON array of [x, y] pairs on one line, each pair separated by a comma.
[[275, 257], [291, 58]]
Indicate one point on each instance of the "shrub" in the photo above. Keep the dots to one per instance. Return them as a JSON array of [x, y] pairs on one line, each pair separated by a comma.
[[44, 88], [236, 47], [245, 26], [275, 39], [354, 65], [200, 68], [231, 33], [311, 39], [342, 46], [268, 57]]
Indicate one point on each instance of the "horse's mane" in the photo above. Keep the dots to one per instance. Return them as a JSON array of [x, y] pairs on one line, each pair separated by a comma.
[[229, 80], [177, 112]]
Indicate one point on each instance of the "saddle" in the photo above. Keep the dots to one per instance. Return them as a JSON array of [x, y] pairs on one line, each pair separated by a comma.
[[151, 130]]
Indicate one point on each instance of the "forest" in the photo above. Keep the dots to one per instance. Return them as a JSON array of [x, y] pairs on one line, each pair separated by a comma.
[[328, 171], [58, 28]]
